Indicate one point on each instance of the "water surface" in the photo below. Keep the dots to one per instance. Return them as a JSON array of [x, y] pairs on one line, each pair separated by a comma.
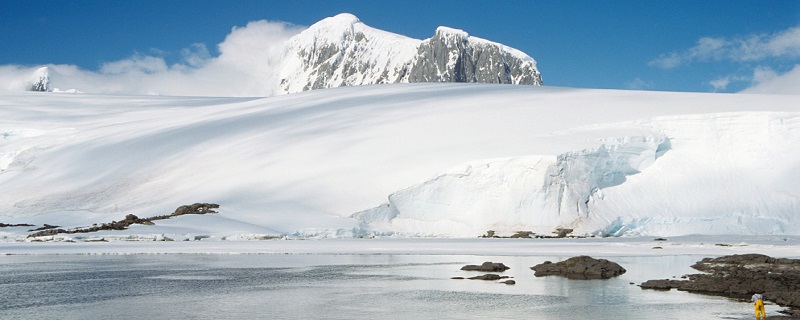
[[320, 286]]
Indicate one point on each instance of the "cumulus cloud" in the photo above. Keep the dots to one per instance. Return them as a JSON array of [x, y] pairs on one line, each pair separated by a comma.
[[766, 80], [243, 68], [784, 44], [720, 83]]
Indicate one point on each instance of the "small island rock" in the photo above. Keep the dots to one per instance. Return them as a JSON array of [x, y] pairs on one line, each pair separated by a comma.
[[581, 267], [487, 266]]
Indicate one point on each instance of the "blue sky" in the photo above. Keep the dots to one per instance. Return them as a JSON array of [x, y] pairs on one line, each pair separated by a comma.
[[705, 46]]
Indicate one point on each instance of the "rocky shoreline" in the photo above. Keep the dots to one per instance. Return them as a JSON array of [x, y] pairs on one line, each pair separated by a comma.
[[739, 276], [733, 276]]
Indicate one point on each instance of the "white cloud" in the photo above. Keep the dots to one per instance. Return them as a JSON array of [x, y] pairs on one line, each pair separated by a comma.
[[720, 84], [637, 84], [241, 69], [762, 74], [196, 56], [137, 63], [784, 44], [766, 80]]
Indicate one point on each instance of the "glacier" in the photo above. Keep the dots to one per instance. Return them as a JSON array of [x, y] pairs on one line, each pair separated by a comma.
[[632, 185], [432, 159]]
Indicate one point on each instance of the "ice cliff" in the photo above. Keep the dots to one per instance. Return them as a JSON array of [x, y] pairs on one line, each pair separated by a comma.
[[728, 174]]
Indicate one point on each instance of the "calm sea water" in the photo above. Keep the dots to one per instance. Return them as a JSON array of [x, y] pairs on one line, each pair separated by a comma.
[[190, 286]]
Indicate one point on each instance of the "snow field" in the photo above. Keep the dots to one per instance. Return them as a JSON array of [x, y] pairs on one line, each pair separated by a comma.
[[447, 160]]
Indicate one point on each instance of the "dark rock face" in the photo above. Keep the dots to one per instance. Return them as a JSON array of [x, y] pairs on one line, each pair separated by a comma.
[[581, 267], [197, 208], [487, 266], [739, 276], [450, 56]]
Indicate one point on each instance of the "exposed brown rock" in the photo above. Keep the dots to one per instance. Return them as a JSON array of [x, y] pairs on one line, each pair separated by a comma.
[[581, 267], [739, 276]]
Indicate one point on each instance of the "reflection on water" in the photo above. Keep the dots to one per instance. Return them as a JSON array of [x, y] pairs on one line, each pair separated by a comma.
[[336, 287]]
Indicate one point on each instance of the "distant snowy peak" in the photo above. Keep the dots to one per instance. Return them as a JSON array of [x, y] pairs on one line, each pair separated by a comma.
[[40, 80], [343, 51]]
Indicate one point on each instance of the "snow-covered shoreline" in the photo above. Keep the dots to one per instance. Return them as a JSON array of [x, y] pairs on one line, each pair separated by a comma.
[[776, 246]]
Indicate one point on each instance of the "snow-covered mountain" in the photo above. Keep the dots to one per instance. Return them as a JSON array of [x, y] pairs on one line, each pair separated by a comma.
[[40, 81], [334, 52], [415, 159], [343, 51]]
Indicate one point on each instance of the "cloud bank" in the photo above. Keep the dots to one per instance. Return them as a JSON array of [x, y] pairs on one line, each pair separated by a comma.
[[784, 44], [761, 49], [243, 68]]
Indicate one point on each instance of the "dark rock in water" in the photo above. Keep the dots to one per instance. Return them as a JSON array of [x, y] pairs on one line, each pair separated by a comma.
[[509, 282], [488, 276], [487, 266], [739, 276], [457, 278], [661, 284], [660, 239], [581, 267]]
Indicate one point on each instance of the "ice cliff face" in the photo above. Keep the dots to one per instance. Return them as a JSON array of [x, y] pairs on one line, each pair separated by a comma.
[[518, 193], [686, 175], [343, 51]]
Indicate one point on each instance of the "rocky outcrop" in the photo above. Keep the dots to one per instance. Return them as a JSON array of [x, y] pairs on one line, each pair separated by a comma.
[[489, 277], [581, 267], [452, 56], [4, 225], [197, 208], [487, 266], [739, 276]]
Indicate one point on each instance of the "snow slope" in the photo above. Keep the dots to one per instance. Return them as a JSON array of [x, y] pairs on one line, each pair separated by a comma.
[[444, 159]]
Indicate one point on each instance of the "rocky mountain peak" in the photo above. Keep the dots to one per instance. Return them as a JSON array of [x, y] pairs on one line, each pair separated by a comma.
[[343, 51]]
